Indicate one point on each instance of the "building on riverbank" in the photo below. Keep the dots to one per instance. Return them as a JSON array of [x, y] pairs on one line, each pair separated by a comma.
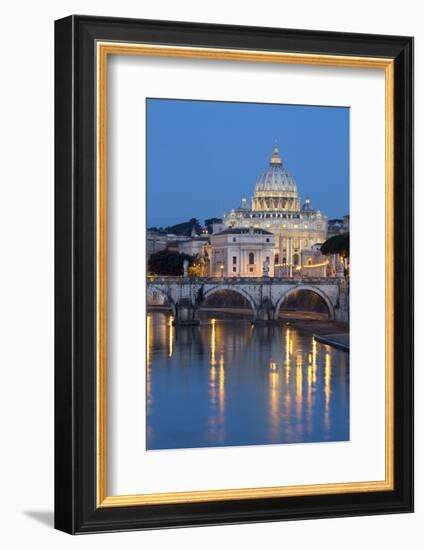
[[242, 252], [338, 226], [273, 236], [155, 242]]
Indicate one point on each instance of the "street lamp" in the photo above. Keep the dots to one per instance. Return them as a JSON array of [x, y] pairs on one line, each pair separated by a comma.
[[222, 270]]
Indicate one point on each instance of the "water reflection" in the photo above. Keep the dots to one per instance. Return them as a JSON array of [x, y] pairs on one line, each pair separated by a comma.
[[227, 383]]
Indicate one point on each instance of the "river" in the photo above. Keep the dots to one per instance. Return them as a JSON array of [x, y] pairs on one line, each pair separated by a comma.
[[226, 382]]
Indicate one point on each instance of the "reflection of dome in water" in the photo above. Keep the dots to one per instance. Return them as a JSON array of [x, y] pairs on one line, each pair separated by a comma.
[[276, 177]]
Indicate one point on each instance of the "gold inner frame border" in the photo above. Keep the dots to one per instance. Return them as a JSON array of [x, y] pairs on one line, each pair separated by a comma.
[[103, 50]]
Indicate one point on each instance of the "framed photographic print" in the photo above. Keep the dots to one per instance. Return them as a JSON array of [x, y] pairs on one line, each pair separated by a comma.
[[234, 262]]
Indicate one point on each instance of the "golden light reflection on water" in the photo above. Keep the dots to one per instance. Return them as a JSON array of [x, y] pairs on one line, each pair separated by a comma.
[[221, 399], [309, 399], [149, 339], [216, 421], [287, 393], [274, 402], [287, 353], [292, 403], [213, 342], [212, 379], [171, 335], [299, 391], [287, 346], [327, 388]]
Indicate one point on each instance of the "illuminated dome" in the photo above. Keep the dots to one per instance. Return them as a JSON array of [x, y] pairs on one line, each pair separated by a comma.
[[276, 189], [276, 178]]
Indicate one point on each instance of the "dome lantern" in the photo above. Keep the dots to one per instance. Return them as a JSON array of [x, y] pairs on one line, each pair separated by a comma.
[[276, 159]]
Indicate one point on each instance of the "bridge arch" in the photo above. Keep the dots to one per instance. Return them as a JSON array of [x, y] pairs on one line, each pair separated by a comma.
[[309, 288], [208, 293], [156, 288]]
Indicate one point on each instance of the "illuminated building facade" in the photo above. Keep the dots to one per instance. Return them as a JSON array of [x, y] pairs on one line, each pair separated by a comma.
[[242, 252], [276, 207]]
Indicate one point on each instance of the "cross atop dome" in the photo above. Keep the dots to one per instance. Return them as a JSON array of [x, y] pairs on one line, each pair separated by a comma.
[[276, 159]]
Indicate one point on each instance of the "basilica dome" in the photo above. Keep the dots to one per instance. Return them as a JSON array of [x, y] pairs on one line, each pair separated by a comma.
[[276, 178]]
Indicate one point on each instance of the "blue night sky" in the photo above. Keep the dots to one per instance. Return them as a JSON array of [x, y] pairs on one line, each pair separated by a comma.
[[204, 156]]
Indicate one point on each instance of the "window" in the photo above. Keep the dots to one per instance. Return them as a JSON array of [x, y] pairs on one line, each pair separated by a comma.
[[234, 269], [276, 259], [234, 240], [251, 258], [234, 259], [267, 240], [284, 260], [295, 259], [251, 269], [267, 259]]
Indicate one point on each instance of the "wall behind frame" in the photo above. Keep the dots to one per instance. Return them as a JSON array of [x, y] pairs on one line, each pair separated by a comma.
[[26, 274]]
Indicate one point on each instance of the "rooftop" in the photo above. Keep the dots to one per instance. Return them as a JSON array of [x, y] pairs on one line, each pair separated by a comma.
[[244, 231]]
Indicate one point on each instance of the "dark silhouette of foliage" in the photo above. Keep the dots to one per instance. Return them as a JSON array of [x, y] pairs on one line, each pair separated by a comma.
[[185, 228], [166, 262], [160, 230], [339, 244]]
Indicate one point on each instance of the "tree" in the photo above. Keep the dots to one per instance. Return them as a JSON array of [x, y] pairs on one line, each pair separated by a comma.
[[339, 244], [185, 228], [160, 230], [166, 262]]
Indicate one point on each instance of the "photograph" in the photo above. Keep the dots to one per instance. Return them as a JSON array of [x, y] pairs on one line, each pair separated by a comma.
[[247, 274], [233, 253]]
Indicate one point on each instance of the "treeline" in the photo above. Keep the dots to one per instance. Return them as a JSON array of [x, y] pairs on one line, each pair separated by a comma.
[[167, 262], [339, 244], [185, 228]]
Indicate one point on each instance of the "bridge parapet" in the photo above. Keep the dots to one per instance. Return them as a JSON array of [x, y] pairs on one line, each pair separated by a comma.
[[162, 279]]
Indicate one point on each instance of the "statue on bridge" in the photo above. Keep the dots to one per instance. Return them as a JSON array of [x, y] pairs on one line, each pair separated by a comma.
[[265, 268], [185, 267]]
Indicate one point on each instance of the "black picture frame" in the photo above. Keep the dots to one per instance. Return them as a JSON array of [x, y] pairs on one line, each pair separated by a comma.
[[76, 510]]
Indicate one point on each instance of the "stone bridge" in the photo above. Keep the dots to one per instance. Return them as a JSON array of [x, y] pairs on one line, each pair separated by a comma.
[[185, 295]]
